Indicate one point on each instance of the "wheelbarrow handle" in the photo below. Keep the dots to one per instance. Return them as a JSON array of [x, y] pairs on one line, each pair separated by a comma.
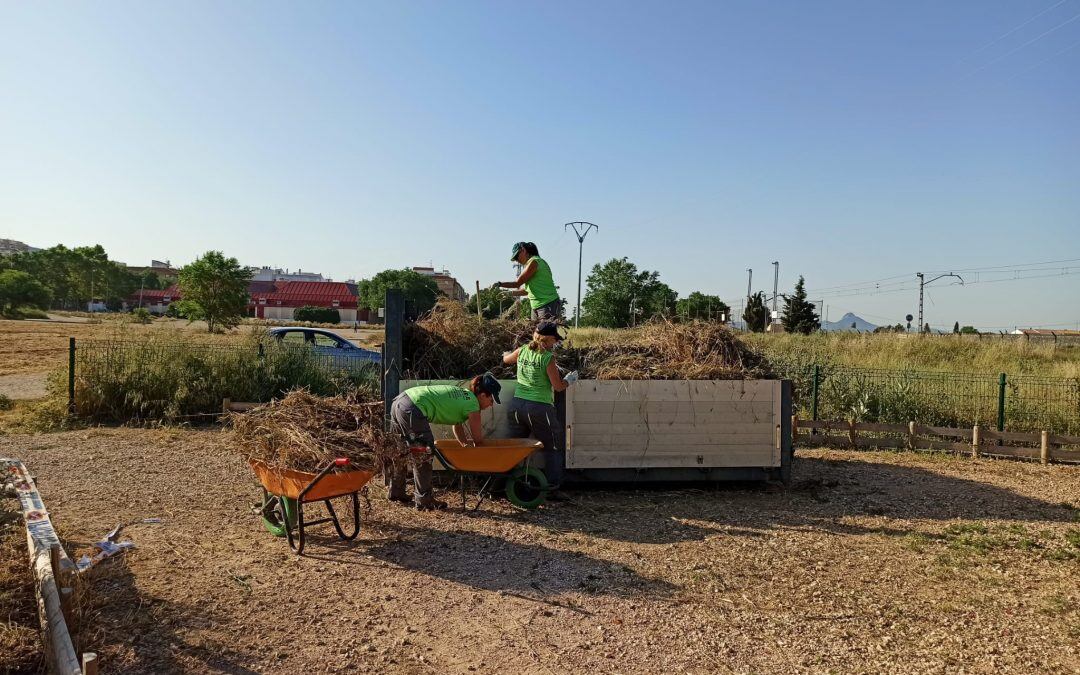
[[339, 462]]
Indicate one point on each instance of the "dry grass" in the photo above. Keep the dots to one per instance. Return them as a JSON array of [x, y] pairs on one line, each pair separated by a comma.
[[450, 343], [306, 432], [42, 346], [20, 642]]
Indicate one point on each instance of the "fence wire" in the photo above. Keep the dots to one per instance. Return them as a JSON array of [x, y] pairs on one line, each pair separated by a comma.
[[1030, 403]]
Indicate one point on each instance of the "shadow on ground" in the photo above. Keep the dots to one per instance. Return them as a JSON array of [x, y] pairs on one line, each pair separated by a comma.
[[824, 496]]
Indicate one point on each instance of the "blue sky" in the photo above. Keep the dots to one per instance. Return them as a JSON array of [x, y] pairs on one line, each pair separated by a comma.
[[851, 141]]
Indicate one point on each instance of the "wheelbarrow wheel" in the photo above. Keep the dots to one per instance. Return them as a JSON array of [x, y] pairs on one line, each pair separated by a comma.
[[272, 517], [527, 487]]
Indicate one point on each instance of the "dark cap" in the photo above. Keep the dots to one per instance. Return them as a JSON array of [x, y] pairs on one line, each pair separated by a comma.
[[550, 329], [490, 385], [516, 249]]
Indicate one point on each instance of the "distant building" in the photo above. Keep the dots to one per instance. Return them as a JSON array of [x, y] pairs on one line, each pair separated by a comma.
[[277, 274], [154, 301], [1046, 332], [282, 298], [162, 270], [447, 284]]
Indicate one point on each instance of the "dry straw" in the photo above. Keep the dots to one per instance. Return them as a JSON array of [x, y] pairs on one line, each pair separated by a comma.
[[450, 343], [306, 432]]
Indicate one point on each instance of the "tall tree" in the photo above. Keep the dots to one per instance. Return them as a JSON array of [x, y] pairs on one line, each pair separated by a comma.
[[799, 315], [956, 327], [617, 295], [756, 314], [420, 291], [701, 306], [214, 288], [19, 289]]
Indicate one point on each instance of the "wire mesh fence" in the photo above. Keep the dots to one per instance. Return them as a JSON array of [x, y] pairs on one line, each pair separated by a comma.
[[1019, 403], [139, 380]]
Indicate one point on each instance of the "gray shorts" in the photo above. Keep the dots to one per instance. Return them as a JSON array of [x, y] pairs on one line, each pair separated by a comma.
[[548, 312]]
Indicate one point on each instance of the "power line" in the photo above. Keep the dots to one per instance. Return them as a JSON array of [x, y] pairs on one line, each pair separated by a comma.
[[1031, 41], [1039, 63], [1010, 32]]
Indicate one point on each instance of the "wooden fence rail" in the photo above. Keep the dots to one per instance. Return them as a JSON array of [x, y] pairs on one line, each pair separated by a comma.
[[1042, 446]]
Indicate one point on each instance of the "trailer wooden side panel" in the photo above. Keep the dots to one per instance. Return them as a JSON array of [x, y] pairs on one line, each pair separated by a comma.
[[677, 424]]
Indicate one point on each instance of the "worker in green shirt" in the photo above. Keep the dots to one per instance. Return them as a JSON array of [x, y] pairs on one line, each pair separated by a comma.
[[532, 412], [534, 282], [411, 416]]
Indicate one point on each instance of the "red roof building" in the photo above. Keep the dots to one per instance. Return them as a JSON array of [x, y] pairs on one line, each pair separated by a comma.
[[279, 302]]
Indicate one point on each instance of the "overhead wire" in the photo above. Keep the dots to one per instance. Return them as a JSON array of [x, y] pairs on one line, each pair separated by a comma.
[[1011, 31], [1029, 42]]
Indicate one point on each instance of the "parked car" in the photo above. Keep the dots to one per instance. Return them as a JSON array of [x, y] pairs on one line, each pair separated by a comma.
[[326, 343]]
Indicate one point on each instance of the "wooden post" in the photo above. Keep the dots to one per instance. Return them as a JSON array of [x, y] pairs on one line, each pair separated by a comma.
[[394, 329], [851, 433], [89, 663], [911, 435], [1044, 448], [975, 442], [794, 429], [61, 577], [479, 315], [225, 403]]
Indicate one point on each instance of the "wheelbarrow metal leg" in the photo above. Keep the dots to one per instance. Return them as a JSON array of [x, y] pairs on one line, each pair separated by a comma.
[[483, 492]]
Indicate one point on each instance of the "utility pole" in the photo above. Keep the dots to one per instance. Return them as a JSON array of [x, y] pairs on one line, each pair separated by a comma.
[[581, 229], [775, 284], [922, 284]]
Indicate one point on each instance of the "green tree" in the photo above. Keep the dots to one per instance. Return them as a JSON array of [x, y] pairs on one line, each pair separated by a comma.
[[701, 306], [420, 291], [799, 315], [968, 330], [493, 302], [926, 328], [756, 314], [214, 288], [617, 295], [19, 289], [956, 327]]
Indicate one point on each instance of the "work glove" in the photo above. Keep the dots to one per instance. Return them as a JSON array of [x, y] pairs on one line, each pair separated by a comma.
[[496, 286], [571, 378]]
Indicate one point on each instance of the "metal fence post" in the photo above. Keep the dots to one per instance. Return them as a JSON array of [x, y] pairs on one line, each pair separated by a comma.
[[814, 392], [1001, 403], [71, 376], [393, 327]]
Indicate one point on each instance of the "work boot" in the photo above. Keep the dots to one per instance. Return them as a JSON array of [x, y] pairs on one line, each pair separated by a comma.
[[402, 500], [431, 505]]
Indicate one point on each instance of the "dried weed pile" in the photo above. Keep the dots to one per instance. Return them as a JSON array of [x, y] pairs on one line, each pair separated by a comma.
[[450, 343], [305, 432]]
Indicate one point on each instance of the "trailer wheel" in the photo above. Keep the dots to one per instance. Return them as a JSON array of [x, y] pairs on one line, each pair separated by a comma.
[[272, 518], [527, 487]]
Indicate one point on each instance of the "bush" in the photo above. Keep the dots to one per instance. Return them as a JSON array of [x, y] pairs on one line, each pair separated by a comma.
[[171, 381], [6, 403], [141, 315], [317, 314]]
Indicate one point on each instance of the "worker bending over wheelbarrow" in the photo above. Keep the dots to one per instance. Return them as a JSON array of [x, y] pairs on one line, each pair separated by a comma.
[[412, 414], [532, 412], [535, 282]]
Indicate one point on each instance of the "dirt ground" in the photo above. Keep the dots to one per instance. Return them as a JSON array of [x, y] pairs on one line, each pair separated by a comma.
[[870, 562], [20, 645], [42, 346]]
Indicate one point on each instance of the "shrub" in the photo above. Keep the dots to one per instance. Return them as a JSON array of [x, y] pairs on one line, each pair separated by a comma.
[[169, 380], [317, 314], [6, 403], [141, 315]]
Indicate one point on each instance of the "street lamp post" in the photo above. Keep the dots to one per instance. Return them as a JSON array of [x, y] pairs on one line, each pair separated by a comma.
[[581, 229]]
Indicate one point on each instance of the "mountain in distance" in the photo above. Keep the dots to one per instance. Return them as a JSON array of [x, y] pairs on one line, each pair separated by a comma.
[[844, 324]]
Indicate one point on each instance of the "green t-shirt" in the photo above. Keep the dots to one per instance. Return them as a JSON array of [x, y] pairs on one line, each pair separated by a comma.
[[533, 383], [541, 286], [444, 403]]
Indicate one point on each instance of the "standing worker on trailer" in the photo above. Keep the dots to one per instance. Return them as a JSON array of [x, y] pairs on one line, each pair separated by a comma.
[[535, 282], [412, 414], [532, 412]]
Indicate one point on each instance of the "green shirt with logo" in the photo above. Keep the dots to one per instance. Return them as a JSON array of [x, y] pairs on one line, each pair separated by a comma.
[[541, 286], [533, 383], [444, 403]]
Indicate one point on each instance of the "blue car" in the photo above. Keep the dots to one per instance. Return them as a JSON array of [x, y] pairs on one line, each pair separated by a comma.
[[326, 343]]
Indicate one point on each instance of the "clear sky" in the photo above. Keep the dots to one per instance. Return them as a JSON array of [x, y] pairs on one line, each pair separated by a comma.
[[851, 141]]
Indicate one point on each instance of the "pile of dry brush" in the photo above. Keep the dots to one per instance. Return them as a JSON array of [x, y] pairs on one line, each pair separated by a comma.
[[450, 343], [305, 432]]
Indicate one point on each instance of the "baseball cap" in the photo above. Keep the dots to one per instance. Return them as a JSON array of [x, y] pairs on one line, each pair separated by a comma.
[[549, 328], [489, 384], [516, 249]]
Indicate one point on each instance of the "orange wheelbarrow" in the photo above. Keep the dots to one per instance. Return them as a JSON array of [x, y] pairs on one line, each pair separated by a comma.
[[286, 491], [526, 486]]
